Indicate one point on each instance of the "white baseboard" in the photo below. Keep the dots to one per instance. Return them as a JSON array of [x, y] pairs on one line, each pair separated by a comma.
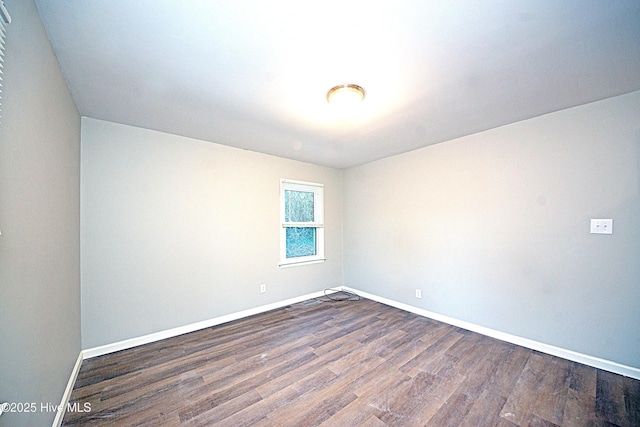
[[595, 362], [607, 365], [169, 333], [57, 422]]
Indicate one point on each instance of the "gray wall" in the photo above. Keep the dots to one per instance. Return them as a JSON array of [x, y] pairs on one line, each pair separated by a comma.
[[177, 231], [40, 222], [494, 229]]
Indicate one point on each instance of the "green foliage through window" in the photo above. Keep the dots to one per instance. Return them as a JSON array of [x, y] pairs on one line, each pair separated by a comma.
[[298, 206], [301, 241]]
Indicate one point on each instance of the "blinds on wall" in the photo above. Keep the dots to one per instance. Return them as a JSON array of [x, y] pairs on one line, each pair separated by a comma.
[[5, 20]]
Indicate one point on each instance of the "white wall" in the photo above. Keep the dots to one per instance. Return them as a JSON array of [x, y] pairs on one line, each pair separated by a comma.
[[40, 223], [177, 231], [494, 229]]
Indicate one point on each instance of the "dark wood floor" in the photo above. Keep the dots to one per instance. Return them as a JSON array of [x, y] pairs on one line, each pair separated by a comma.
[[356, 363]]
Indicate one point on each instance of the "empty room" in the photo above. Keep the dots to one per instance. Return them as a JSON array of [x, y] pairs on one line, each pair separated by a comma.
[[410, 213]]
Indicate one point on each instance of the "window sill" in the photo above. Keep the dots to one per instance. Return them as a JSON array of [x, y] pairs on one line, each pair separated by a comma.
[[288, 264]]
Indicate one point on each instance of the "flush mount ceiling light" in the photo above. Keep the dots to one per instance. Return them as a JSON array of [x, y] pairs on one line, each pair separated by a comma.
[[345, 95]]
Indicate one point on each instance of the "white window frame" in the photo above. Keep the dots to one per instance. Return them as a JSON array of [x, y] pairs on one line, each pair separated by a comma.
[[317, 223]]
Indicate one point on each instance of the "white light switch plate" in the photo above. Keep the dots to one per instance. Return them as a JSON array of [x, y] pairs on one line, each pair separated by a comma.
[[601, 226]]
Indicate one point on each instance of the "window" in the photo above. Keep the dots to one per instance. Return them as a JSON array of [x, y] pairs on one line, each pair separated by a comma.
[[302, 223]]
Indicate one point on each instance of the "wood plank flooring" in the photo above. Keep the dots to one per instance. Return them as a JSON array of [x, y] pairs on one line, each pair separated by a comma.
[[349, 363]]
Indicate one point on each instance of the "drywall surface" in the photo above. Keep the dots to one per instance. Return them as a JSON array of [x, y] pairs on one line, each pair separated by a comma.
[[40, 223], [493, 228], [177, 231]]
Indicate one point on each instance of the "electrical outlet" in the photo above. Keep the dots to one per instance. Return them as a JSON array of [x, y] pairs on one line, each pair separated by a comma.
[[418, 293], [263, 288]]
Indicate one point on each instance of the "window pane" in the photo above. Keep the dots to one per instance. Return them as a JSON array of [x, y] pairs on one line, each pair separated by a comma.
[[298, 206], [301, 241]]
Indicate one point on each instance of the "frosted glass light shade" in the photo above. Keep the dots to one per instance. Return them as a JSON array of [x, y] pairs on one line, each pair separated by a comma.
[[345, 95]]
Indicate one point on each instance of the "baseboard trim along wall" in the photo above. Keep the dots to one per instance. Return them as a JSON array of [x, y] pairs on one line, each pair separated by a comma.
[[66, 396], [169, 333], [595, 362]]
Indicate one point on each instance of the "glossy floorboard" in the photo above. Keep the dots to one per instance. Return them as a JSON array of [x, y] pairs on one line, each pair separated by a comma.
[[355, 363]]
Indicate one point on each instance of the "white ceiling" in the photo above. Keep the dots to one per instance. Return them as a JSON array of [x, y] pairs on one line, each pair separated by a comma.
[[254, 74]]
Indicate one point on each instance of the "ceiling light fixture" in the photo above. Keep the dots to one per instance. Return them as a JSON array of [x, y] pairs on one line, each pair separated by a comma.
[[345, 95]]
